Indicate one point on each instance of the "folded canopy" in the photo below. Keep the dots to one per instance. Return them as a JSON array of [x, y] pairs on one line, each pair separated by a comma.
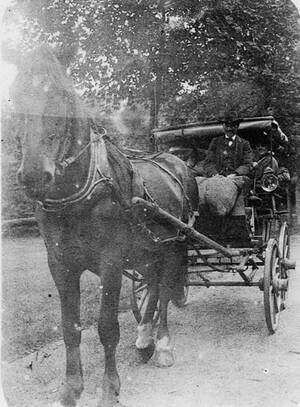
[[254, 129]]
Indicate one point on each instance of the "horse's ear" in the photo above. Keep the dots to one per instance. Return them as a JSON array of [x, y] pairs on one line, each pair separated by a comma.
[[66, 55]]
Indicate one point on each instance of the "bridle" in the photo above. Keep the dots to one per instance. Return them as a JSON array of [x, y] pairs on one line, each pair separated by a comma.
[[98, 171]]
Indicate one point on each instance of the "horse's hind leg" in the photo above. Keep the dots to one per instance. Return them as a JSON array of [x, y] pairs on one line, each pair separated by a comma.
[[68, 285], [164, 352], [145, 342], [109, 333]]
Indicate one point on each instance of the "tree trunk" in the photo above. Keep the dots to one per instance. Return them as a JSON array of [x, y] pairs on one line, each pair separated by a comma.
[[158, 68]]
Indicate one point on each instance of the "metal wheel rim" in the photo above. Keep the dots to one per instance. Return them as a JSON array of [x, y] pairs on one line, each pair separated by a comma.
[[284, 252], [284, 241], [272, 300]]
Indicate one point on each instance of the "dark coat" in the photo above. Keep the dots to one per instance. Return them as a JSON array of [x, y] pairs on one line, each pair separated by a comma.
[[216, 155]]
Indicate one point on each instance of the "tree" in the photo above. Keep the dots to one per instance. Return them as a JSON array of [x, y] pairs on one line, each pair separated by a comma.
[[152, 52], [180, 60]]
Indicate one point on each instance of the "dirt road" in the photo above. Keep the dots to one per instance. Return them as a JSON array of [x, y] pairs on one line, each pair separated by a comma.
[[224, 357]]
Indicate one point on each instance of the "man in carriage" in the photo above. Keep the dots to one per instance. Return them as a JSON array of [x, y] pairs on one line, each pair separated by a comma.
[[227, 168], [229, 155]]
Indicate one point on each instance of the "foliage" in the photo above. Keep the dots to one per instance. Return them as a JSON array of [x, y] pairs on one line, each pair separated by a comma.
[[180, 60], [245, 99], [146, 51], [14, 202]]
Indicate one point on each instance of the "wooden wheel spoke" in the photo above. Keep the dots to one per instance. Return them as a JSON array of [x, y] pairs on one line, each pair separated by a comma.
[[142, 300], [141, 288], [139, 301]]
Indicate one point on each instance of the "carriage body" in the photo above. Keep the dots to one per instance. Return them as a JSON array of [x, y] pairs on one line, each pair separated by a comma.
[[267, 205], [259, 257]]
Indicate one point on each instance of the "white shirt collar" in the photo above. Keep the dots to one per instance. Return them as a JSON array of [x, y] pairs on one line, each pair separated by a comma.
[[232, 138]]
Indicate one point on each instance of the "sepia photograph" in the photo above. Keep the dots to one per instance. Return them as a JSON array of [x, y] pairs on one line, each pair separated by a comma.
[[150, 200]]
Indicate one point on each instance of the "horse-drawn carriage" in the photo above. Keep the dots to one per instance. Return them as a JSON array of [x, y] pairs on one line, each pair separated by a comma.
[[214, 243], [99, 211]]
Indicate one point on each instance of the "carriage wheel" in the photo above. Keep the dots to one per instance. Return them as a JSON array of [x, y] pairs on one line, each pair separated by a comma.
[[139, 299], [272, 296], [284, 241], [266, 231], [284, 253]]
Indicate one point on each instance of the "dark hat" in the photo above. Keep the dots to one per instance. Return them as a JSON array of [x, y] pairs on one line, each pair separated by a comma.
[[231, 117]]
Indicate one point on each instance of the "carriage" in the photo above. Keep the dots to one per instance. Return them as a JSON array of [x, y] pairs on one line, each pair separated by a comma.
[[99, 211], [258, 258]]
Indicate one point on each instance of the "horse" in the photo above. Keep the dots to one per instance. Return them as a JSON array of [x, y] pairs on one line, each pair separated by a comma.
[[83, 186]]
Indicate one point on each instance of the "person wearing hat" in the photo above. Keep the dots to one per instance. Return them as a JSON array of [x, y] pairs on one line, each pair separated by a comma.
[[191, 156], [229, 155], [264, 160]]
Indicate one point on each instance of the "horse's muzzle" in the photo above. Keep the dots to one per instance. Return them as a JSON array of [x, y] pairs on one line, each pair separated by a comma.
[[35, 187]]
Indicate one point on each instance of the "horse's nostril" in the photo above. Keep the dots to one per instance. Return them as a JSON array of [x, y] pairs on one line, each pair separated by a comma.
[[47, 178]]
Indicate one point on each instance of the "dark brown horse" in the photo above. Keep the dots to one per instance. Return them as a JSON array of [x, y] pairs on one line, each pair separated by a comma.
[[84, 185]]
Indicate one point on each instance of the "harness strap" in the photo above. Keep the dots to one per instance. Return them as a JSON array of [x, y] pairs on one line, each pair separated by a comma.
[[172, 175], [98, 173]]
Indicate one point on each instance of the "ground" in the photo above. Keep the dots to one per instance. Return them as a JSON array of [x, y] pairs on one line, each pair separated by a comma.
[[224, 354]]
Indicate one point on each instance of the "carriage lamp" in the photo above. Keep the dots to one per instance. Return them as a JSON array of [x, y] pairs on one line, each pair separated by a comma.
[[269, 181]]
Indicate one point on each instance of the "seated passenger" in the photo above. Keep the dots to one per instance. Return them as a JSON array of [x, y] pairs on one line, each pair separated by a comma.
[[264, 159], [229, 155], [267, 163], [192, 157]]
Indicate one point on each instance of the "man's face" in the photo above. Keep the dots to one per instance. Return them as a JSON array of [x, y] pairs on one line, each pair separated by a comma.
[[260, 151], [230, 128]]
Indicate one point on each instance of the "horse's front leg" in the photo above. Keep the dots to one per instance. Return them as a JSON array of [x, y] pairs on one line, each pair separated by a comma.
[[68, 285], [109, 333]]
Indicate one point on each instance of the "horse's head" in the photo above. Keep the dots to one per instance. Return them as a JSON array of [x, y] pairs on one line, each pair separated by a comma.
[[42, 95]]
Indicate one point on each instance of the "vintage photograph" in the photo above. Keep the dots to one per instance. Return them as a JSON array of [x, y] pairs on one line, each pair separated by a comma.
[[150, 162]]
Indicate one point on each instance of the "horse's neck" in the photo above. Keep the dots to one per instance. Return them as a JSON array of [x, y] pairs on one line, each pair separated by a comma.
[[121, 171]]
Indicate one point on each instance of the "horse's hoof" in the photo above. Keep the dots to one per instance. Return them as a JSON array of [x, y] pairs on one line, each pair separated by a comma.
[[179, 302], [68, 398], [109, 402], [115, 404], [179, 296], [110, 391], [164, 358], [146, 353], [70, 395]]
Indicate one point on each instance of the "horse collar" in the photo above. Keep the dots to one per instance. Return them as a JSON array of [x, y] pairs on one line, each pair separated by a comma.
[[98, 173]]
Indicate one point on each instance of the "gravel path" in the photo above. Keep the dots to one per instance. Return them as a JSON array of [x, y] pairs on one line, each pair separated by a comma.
[[224, 357]]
